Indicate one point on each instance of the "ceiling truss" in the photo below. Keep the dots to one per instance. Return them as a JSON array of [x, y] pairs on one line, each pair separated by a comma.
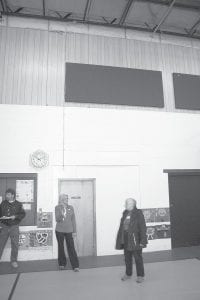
[[119, 22]]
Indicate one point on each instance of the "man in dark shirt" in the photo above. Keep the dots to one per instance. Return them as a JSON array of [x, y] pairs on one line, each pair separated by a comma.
[[11, 214]]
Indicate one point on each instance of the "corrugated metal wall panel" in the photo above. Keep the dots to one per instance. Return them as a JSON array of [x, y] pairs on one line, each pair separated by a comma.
[[56, 69], [42, 68], [33, 62], [76, 48], [3, 36], [24, 70], [9, 59]]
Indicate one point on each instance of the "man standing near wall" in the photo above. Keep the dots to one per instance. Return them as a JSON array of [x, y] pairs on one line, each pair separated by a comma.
[[11, 214], [132, 238]]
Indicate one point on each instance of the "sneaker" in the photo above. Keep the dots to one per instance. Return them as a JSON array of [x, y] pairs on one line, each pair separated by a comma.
[[125, 277], [76, 270], [14, 264], [61, 268], [140, 279]]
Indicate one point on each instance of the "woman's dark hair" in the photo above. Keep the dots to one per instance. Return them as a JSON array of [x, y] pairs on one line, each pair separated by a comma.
[[11, 191]]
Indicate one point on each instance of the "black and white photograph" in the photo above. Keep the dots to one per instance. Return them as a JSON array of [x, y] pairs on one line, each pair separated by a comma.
[[99, 149]]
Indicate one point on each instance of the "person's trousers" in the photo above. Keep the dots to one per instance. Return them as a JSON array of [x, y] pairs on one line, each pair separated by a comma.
[[62, 261], [137, 254], [13, 233]]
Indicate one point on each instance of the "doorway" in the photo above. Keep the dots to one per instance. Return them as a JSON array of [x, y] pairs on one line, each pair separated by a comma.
[[81, 195], [184, 198]]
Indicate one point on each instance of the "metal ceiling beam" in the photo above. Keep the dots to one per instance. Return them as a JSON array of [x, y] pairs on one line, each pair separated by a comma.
[[107, 22], [143, 29], [67, 15], [5, 4], [113, 21], [87, 9], [2, 5], [7, 8], [194, 28], [126, 11], [19, 9], [164, 17], [56, 12], [44, 7], [180, 4]]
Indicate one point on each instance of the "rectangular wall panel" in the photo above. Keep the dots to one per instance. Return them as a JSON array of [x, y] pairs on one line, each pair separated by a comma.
[[113, 85], [186, 91]]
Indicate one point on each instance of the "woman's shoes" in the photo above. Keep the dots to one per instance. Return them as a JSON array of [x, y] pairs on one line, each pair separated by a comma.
[[125, 277], [76, 270], [61, 268], [140, 279], [14, 264]]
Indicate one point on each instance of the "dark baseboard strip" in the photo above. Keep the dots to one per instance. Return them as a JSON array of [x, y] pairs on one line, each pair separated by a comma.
[[14, 286], [102, 261]]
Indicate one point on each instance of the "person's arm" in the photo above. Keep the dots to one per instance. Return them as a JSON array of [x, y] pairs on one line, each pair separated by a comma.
[[1, 215], [58, 214], [143, 230], [20, 213], [73, 220], [119, 245]]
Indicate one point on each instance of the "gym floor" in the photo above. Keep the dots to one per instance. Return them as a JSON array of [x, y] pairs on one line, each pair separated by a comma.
[[175, 275]]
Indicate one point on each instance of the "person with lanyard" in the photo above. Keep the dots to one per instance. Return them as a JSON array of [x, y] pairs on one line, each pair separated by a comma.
[[132, 238], [66, 229]]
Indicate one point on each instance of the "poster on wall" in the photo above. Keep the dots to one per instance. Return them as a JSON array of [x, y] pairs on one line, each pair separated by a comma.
[[158, 232], [163, 231], [158, 223], [25, 190], [44, 219], [35, 240], [155, 215], [151, 233], [40, 239], [149, 215], [162, 214], [24, 240]]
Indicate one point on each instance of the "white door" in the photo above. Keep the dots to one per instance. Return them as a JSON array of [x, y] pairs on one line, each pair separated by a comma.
[[81, 197]]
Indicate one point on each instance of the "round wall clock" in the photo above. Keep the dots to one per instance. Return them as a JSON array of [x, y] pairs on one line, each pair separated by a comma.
[[39, 159]]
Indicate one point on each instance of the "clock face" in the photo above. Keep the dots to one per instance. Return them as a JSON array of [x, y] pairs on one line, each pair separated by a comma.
[[39, 159]]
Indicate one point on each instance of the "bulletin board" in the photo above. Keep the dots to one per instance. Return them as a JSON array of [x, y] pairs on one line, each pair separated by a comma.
[[25, 185]]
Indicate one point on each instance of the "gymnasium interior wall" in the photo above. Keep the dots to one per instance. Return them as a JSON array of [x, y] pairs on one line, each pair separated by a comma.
[[124, 149]]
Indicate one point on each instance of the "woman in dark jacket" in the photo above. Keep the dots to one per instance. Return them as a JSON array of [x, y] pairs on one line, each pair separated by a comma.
[[66, 230], [132, 238]]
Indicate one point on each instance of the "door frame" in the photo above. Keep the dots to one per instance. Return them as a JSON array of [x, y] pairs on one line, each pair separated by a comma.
[[93, 180]]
